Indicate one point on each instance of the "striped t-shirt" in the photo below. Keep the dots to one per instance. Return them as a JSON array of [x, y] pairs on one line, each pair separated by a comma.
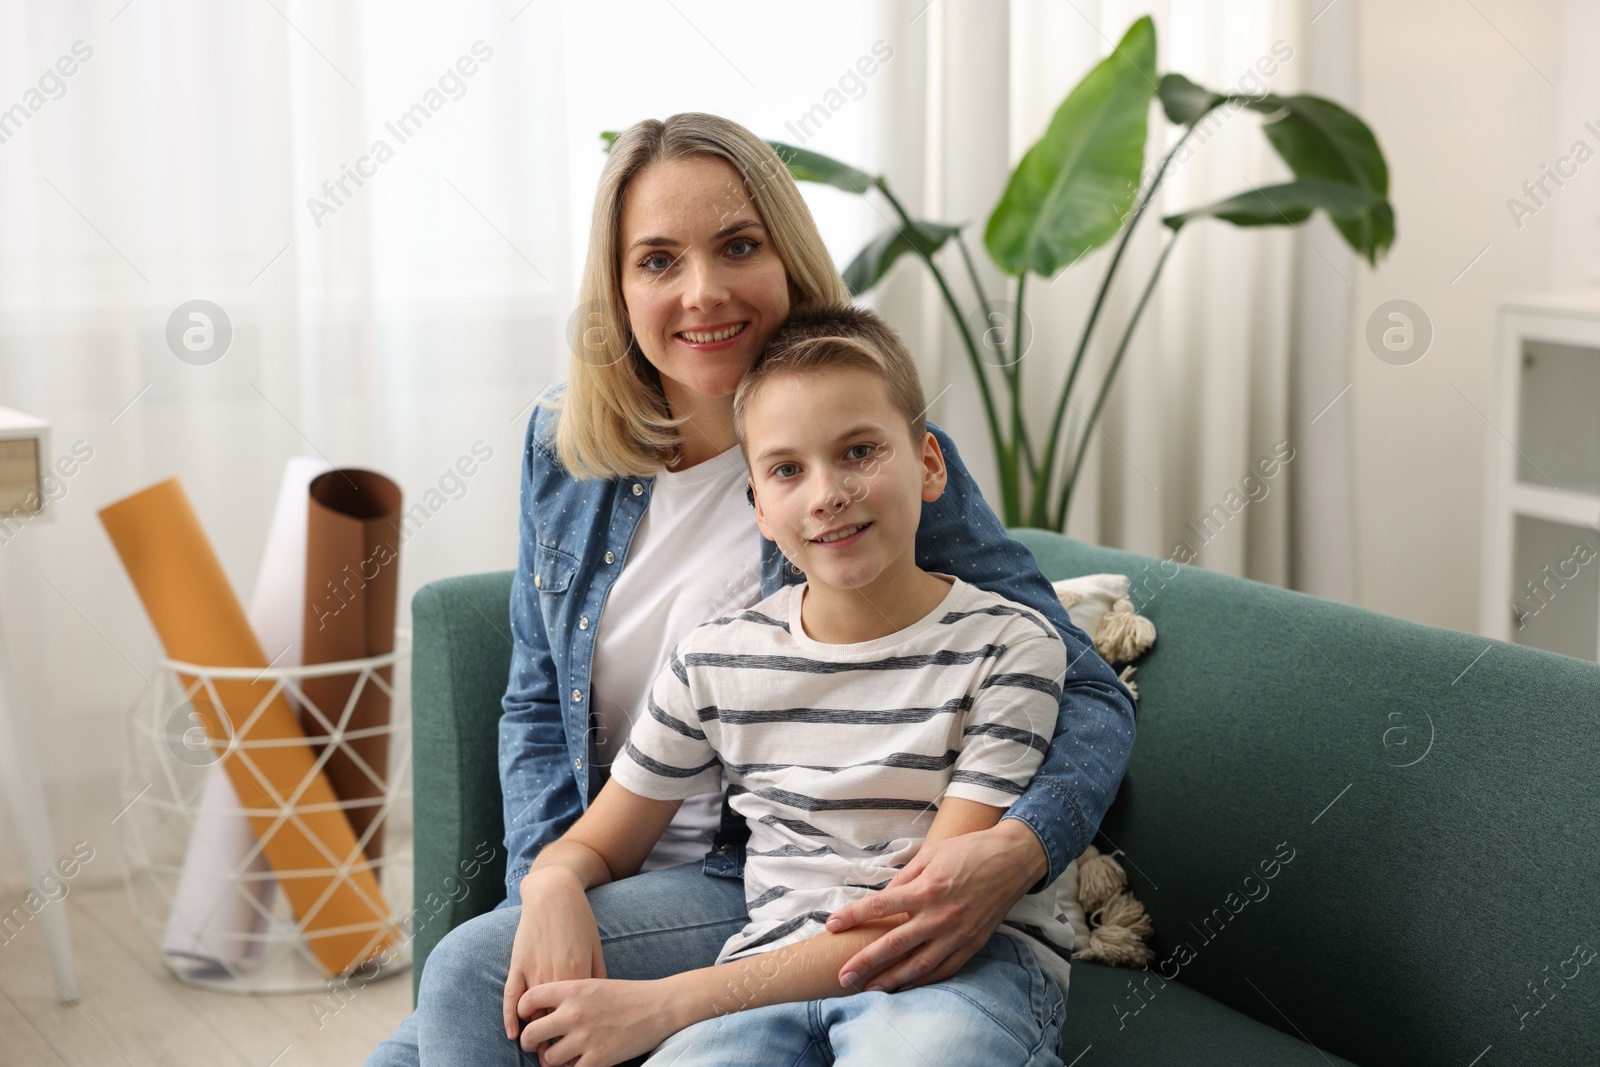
[[837, 754]]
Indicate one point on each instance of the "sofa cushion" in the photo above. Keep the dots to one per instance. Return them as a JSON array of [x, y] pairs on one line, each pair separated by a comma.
[[460, 659], [1386, 828], [1171, 1025]]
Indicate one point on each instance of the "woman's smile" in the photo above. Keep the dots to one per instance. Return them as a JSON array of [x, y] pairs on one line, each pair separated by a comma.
[[712, 338]]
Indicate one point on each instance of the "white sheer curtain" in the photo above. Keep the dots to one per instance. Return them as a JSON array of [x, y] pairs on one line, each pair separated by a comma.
[[1246, 328], [204, 151], [392, 322]]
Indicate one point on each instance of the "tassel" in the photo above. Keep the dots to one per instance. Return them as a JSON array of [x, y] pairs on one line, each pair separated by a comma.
[[1124, 911], [1100, 877], [1119, 939], [1126, 678], [1123, 635], [1119, 927]]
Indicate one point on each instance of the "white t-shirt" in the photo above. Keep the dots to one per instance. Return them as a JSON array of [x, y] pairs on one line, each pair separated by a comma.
[[837, 755], [695, 555]]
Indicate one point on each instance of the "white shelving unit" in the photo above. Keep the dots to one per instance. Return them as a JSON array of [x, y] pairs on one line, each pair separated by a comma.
[[1541, 571]]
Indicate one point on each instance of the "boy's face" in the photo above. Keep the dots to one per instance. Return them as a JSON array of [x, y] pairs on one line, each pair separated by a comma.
[[829, 453]]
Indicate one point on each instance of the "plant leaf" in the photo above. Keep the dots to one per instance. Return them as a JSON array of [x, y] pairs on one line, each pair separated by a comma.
[[874, 261], [1183, 100], [1286, 204], [1073, 189], [609, 138], [809, 166], [1318, 139]]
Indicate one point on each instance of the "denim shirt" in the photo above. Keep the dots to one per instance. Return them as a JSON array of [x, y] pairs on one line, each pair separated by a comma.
[[574, 542]]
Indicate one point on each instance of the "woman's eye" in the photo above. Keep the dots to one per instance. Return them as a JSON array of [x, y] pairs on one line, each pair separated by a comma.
[[650, 263], [745, 241]]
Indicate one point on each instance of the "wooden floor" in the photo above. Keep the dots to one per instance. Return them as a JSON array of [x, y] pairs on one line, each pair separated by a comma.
[[131, 1010]]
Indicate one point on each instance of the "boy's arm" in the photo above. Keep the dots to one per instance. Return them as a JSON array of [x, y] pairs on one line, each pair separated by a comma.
[[556, 936], [610, 841], [665, 753], [571, 1019], [805, 970], [957, 816]]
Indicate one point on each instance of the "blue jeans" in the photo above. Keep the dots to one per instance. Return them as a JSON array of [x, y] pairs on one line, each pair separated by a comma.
[[651, 925], [999, 1009], [668, 921]]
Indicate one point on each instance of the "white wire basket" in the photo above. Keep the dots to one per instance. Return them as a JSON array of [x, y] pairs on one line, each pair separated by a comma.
[[197, 879]]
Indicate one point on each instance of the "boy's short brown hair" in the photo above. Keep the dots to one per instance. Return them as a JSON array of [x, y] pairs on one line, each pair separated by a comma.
[[813, 339]]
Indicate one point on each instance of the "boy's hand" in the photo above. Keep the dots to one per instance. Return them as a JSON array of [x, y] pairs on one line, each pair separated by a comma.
[[556, 940], [595, 1022]]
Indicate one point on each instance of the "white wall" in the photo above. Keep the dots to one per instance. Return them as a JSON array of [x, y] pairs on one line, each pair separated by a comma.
[[1468, 101]]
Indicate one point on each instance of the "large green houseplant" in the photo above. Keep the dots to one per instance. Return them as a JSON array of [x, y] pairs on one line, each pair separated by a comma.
[[1076, 188]]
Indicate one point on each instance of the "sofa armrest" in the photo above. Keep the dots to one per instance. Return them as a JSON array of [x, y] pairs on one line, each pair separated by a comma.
[[461, 658]]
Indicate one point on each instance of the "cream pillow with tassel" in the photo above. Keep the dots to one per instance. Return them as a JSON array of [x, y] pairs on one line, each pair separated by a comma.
[[1098, 605], [1109, 923]]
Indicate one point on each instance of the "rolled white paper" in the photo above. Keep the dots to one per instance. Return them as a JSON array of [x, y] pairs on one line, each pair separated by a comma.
[[217, 919]]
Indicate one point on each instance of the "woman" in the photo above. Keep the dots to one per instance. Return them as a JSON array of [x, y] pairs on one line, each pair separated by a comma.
[[637, 526]]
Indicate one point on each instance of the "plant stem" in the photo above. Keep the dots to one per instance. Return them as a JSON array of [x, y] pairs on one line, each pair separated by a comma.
[[1019, 432], [1016, 334], [1105, 386], [972, 273], [1048, 458], [1010, 498]]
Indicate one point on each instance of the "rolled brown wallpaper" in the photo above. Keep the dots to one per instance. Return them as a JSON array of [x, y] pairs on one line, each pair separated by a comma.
[[352, 594], [199, 620]]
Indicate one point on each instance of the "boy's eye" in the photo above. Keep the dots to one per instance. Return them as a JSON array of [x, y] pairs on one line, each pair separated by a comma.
[[861, 451], [780, 469]]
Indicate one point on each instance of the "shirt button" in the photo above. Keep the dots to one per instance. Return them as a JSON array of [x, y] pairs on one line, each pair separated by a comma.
[[637, 488], [578, 763], [610, 558], [577, 696], [536, 581], [583, 623]]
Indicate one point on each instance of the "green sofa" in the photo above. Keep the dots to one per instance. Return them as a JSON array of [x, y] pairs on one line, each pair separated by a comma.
[[1352, 832]]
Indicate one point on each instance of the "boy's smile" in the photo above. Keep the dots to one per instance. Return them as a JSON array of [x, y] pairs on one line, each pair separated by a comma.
[[841, 536], [839, 486]]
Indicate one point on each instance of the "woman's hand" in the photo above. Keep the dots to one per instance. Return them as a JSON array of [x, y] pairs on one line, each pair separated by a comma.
[[556, 940], [956, 891], [595, 1022]]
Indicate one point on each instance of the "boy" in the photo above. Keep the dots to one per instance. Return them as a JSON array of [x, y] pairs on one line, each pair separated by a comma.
[[872, 708]]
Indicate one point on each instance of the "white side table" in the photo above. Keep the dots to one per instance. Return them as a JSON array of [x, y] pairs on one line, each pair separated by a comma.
[[1541, 571], [24, 439]]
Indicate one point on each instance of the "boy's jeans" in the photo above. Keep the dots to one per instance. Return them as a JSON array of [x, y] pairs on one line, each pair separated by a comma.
[[651, 925], [999, 1010]]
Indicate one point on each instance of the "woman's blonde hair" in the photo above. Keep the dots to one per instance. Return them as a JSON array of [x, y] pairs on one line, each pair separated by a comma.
[[613, 420]]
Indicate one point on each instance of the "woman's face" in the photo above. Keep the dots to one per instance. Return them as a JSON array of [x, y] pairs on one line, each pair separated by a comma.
[[705, 289]]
